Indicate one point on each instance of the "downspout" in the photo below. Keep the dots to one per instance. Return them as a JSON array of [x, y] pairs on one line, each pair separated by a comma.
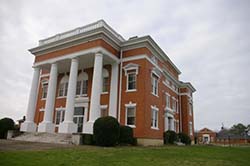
[[120, 87]]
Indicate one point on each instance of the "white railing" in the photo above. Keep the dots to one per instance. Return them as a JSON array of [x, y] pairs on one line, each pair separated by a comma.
[[89, 27]]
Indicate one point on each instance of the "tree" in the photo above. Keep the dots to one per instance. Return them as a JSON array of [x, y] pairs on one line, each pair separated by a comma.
[[5, 125], [237, 129]]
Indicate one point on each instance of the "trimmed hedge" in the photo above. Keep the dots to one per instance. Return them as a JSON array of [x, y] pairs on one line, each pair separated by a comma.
[[169, 137], [184, 138], [87, 139], [5, 125], [106, 131], [126, 135]]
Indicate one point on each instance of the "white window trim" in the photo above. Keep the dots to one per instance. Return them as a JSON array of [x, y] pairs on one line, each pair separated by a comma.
[[130, 105], [190, 132], [168, 107], [131, 90], [152, 90], [45, 82], [58, 109], [155, 109], [127, 68]]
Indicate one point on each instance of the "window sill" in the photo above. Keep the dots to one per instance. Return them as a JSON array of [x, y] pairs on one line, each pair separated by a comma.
[[104, 93], [155, 95], [43, 98], [155, 128], [131, 90], [61, 97], [132, 126], [84, 95]]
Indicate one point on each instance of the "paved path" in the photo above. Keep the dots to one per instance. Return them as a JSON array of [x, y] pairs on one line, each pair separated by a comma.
[[7, 145]]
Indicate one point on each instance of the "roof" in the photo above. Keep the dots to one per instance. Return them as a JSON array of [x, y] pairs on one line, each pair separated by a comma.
[[224, 134]]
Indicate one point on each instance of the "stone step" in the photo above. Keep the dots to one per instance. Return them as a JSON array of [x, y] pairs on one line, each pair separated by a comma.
[[57, 138]]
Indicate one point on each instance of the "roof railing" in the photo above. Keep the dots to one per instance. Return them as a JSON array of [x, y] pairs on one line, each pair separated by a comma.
[[86, 28]]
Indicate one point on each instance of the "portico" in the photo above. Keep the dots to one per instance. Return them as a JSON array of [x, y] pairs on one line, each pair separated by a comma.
[[73, 64]]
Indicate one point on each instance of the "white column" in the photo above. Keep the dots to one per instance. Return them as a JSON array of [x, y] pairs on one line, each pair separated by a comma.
[[95, 94], [68, 126], [47, 124], [113, 91], [29, 125], [172, 124]]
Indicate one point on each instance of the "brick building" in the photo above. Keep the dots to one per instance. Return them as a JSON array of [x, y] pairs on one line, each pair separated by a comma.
[[92, 71], [206, 136]]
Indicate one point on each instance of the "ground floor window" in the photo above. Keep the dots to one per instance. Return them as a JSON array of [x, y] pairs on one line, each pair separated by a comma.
[[130, 114], [104, 112], [154, 117], [59, 116], [78, 118]]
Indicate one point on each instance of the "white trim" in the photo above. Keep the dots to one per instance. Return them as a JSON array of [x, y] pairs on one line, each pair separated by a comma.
[[185, 94], [173, 90], [104, 106], [130, 105], [44, 75], [41, 109], [76, 54], [154, 107]]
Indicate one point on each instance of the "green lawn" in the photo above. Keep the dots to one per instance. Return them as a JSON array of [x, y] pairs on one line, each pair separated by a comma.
[[167, 155]]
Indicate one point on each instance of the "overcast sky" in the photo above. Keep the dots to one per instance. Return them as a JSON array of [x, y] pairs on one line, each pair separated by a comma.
[[209, 41]]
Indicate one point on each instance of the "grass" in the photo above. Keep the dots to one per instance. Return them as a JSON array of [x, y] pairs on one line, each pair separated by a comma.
[[126, 156]]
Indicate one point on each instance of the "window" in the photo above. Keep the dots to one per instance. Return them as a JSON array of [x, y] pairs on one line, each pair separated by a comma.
[[131, 71], [59, 116], [190, 128], [174, 104], [190, 109], [82, 84], [44, 90], [105, 80], [154, 83], [167, 100], [131, 85], [63, 86], [130, 116], [154, 117]]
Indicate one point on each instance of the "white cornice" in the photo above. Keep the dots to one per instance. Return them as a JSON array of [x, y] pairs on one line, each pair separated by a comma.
[[76, 54]]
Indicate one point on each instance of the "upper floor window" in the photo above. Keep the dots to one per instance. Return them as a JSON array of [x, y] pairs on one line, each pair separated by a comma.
[[44, 89], [131, 71], [174, 104], [154, 83], [167, 100], [82, 84], [131, 81], [63, 86], [190, 109], [154, 117], [105, 80], [154, 59], [130, 114]]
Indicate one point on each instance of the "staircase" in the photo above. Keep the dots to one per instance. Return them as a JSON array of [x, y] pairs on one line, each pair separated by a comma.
[[55, 138]]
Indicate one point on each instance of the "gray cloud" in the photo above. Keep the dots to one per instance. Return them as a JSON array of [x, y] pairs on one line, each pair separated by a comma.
[[207, 40]]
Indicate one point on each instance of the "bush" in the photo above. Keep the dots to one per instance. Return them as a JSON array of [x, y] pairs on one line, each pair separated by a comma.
[[184, 138], [169, 137], [106, 131], [87, 139], [126, 135], [5, 125]]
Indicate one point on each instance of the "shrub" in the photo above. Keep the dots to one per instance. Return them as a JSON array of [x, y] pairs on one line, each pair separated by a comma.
[[169, 137], [5, 125], [126, 135], [184, 138], [87, 139], [106, 131]]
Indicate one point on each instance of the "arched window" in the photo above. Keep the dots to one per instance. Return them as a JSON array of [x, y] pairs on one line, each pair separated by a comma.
[[63, 86], [105, 80], [82, 84]]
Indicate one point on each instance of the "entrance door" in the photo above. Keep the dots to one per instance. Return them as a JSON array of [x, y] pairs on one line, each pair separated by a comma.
[[78, 118]]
